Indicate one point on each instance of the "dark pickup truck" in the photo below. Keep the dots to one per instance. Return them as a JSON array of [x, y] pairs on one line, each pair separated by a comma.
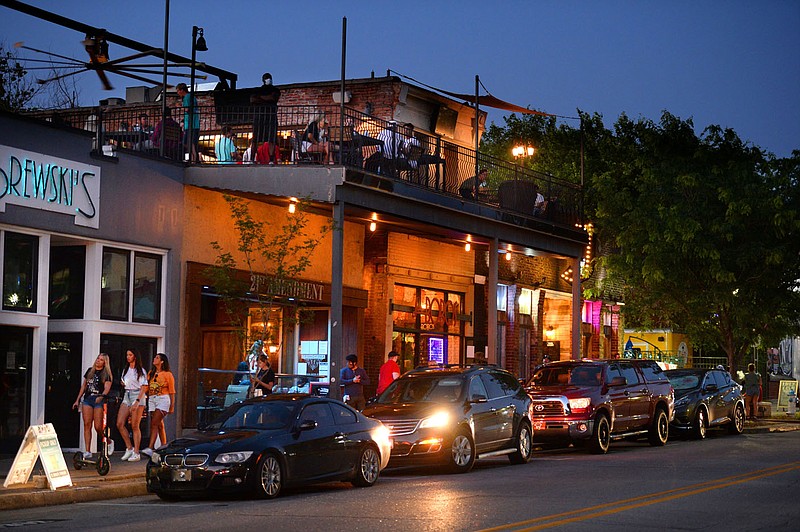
[[591, 402]]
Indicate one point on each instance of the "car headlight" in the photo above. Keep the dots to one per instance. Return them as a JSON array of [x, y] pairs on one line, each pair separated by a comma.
[[440, 419], [155, 458], [683, 401], [233, 458], [580, 404], [381, 436]]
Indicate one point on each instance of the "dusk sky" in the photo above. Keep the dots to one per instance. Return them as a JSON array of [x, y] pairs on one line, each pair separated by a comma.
[[734, 63]]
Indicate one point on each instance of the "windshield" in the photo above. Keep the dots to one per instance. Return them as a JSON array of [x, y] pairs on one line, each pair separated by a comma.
[[259, 416], [686, 381], [575, 375], [426, 389]]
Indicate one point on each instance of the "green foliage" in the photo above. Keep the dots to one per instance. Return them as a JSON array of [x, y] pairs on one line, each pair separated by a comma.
[[284, 255], [705, 230]]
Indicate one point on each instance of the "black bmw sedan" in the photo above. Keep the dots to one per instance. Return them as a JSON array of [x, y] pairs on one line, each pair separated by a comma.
[[706, 398], [267, 443]]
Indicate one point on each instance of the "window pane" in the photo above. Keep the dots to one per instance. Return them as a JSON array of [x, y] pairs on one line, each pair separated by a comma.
[[525, 298], [19, 272], [67, 278], [502, 296], [147, 288], [114, 287]]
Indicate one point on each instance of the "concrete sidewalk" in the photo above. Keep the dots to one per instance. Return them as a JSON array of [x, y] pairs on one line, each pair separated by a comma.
[[124, 479], [127, 479]]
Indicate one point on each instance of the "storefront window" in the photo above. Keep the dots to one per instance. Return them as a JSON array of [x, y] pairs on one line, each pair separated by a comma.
[[147, 288], [67, 282], [114, 284], [20, 272], [313, 350], [502, 296], [525, 301]]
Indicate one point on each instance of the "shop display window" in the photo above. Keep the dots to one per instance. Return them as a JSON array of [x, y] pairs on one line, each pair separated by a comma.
[[146, 288], [20, 260], [67, 282], [114, 284]]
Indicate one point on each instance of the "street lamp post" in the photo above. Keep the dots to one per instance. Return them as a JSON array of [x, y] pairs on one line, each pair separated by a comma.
[[521, 151], [198, 45]]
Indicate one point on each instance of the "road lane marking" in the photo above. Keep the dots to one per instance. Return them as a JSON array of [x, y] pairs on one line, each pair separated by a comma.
[[601, 510]]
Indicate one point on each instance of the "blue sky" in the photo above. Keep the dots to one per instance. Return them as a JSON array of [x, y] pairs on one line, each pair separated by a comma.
[[732, 63]]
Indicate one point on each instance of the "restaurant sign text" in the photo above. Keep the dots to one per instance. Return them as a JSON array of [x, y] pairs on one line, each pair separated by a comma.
[[49, 183]]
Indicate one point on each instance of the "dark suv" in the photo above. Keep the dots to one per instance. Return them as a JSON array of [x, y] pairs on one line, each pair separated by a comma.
[[595, 401], [453, 415]]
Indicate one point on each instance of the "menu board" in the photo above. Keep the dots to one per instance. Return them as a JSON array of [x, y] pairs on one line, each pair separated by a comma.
[[40, 441]]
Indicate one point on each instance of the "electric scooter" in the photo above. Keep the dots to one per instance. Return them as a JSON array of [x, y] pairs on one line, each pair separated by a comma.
[[105, 448]]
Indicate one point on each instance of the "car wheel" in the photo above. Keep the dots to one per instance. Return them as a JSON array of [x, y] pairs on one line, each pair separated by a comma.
[[462, 452], [659, 430], [601, 435], [700, 424], [368, 467], [269, 480], [737, 423], [524, 444]]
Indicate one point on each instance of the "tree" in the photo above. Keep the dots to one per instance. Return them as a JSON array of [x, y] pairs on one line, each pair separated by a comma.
[[704, 230], [707, 232], [18, 91], [271, 256]]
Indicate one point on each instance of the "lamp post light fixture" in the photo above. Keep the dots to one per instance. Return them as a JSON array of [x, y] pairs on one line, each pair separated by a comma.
[[198, 45], [520, 151]]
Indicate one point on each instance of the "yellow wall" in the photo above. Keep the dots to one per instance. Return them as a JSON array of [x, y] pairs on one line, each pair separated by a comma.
[[208, 218], [671, 341]]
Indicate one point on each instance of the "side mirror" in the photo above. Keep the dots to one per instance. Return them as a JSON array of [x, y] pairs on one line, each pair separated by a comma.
[[478, 398], [711, 388], [618, 381], [308, 424]]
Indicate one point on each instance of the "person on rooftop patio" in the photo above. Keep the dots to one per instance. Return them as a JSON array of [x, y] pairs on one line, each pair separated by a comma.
[[470, 186], [225, 148], [313, 141], [172, 135], [265, 116]]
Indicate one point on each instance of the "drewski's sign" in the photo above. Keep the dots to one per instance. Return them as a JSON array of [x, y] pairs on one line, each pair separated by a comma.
[[44, 182]]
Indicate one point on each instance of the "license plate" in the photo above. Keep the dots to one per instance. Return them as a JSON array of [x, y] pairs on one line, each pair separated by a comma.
[[181, 475], [539, 425]]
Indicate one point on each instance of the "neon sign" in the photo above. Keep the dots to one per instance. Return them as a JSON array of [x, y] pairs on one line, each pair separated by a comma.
[[438, 312], [40, 181]]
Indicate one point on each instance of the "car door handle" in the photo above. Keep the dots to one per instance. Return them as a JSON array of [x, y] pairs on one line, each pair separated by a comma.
[[493, 410], [339, 436], [627, 393]]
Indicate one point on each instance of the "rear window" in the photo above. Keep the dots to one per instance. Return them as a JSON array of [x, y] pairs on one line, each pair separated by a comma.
[[652, 372]]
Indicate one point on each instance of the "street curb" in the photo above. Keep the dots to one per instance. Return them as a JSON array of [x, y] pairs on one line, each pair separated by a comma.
[[95, 492]]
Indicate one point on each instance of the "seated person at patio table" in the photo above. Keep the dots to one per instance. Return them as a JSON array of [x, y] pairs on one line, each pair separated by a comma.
[[313, 141], [470, 185], [412, 149], [225, 148], [172, 135], [539, 205], [143, 126]]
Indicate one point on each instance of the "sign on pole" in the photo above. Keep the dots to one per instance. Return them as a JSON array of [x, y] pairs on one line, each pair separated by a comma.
[[40, 441]]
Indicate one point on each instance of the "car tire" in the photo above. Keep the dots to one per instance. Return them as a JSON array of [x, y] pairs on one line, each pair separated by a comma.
[[659, 430], [700, 424], [269, 476], [462, 452], [736, 425], [368, 467], [601, 435], [523, 444]]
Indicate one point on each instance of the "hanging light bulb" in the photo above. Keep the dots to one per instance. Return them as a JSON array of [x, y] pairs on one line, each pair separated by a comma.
[[467, 247], [508, 255], [373, 226]]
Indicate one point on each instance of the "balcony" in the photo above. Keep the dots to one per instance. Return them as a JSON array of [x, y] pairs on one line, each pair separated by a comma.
[[429, 168]]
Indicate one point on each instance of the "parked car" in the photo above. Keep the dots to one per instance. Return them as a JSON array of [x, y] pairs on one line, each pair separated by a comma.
[[706, 398], [592, 402], [267, 443], [452, 415]]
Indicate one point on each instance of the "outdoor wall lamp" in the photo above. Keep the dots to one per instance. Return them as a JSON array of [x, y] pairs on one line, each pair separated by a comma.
[[292, 205], [550, 332]]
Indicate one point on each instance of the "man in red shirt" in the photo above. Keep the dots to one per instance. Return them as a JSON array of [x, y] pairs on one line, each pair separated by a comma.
[[389, 371]]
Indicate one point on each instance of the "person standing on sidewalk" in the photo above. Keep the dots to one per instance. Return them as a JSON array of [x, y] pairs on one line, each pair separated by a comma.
[[161, 393], [352, 380], [94, 390], [389, 372], [134, 379], [752, 388]]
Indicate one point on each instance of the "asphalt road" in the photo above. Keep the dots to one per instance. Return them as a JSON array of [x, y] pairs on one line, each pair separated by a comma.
[[748, 482]]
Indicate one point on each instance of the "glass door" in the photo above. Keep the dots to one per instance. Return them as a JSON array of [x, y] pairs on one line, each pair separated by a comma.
[[64, 377], [16, 355]]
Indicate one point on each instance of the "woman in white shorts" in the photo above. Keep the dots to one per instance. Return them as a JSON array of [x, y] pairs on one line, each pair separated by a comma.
[[134, 379], [161, 399]]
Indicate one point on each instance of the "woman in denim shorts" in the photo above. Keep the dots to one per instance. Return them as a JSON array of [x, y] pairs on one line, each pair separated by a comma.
[[91, 398], [134, 379], [161, 399]]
